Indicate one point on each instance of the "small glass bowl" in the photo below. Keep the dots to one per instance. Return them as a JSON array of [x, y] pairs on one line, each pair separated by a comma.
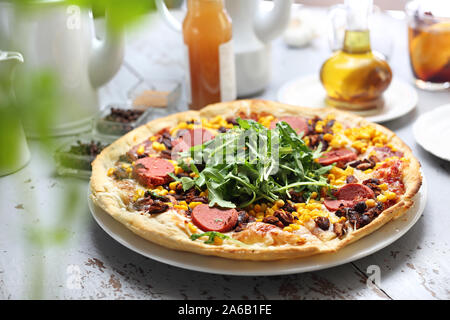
[[73, 164], [114, 129]]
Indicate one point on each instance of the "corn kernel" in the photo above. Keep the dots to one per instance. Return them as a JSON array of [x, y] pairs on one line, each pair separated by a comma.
[[163, 192], [370, 203], [158, 146], [111, 171], [192, 228], [319, 126], [382, 198], [193, 204], [359, 145], [182, 207], [383, 186], [257, 208], [173, 185], [378, 145], [337, 126], [314, 195], [178, 170], [337, 143], [289, 229], [327, 137], [182, 125], [349, 170], [218, 241], [279, 203], [153, 138], [338, 172], [299, 205], [306, 140], [141, 149], [140, 192], [391, 195], [294, 226]]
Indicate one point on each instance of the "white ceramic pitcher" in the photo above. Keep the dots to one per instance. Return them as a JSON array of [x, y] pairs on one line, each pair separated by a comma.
[[15, 153], [53, 35], [253, 29]]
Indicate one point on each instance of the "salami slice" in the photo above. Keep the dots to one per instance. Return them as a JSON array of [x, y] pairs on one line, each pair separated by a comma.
[[334, 205], [214, 219], [348, 195], [354, 192], [340, 156], [299, 124], [192, 137], [152, 171]]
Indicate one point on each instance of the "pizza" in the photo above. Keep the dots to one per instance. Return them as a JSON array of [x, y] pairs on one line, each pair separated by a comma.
[[256, 180]]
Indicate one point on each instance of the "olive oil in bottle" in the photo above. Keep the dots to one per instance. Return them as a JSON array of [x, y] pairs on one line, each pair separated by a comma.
[[355, 77]]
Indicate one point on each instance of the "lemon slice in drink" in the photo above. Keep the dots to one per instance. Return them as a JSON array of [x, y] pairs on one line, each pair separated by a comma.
[[430, 50]]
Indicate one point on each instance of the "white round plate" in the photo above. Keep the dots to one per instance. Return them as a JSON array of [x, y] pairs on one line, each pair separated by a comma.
[[362, 248], [432, 129], [399, 99]]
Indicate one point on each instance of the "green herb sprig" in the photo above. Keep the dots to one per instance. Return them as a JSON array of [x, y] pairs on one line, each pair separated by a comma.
[[211, 236]]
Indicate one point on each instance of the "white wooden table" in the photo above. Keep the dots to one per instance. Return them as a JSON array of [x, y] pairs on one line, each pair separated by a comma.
[[90, 264]]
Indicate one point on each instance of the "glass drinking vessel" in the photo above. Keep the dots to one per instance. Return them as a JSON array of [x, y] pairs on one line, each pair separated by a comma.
[[429, 43]]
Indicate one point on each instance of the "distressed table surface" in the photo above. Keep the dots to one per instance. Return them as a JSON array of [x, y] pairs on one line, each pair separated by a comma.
[[90, 264]]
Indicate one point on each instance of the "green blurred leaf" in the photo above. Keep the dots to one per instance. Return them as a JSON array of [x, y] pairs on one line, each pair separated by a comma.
[[120, 13]]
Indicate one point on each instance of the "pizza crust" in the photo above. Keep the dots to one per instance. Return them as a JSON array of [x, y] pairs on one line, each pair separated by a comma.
[[168, 229]]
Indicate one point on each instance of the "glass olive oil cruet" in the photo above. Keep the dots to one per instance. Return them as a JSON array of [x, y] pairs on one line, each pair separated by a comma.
[[354, 77]]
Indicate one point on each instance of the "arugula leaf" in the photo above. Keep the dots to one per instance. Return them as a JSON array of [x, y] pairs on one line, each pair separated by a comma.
[[154, 195], [187, 183], [211, 236]]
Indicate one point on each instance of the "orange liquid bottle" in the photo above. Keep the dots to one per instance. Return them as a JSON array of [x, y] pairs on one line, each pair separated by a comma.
[[207, 35]]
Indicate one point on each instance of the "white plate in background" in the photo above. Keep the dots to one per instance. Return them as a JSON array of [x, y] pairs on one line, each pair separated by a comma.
[[210, 264], [432, 131], [399, 99]]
